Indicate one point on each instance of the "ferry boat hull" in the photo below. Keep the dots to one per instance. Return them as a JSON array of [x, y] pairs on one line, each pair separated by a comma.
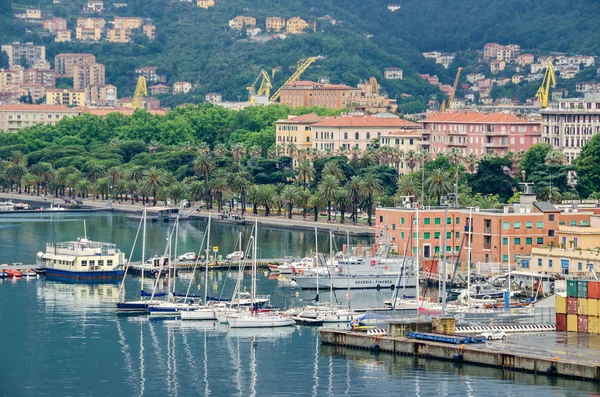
[[104, 275], [352, 282]]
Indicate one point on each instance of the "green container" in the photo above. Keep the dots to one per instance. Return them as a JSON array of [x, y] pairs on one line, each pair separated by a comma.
[[582, 288], [572, 288]]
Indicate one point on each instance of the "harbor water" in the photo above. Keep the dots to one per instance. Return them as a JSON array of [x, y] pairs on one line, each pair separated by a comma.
[[65, 339]]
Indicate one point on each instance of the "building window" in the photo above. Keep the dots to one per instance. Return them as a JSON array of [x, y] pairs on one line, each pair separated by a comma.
[[550, 217], [517, 225], [380, 218], [457, 234], [402, 221], [539, 225], [427, 235], [83, 263], [448, 234], [540, 240], [401, 235], [505, 241], [393, 226], [528, 225], [573, 223], [579, 266], [368, 135], [505, 225], [550, 233], [345, 135], [457, 220], [505, 258], [549, 262], [427, 221], [585, 223], [437, 221], [357, 136], [448, 221], [525, 264], [517, 241], [415, 235], [529, 240], [457, 248], [436, 235], [448, 248]]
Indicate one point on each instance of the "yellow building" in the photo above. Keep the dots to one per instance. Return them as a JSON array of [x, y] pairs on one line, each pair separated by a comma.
[[88, 34], [150, 31], [33, 13], [402, 141], [55, 96], [295, 133], [127, 23], [118, 35], [575, 253], [517, 78], [241, 21], [181, 87], [206, 3], [275, 24], [63, 36], [295, 25], [16, 117]]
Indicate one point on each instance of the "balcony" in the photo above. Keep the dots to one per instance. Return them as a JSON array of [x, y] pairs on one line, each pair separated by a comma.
[[487, 230], [456, 143], [487, 246], [496, 133], [498, 144]]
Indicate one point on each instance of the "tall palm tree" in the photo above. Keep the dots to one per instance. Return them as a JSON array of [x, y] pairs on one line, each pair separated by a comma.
[[266, 195], [218, 186], [220, 150], [291, 149], [316, 202], [18, 158], [94, 172], [238, 151], [195, 190], [554, 157], [438, 184], [302, 200], [203, 148], [44, 172], [241, 184], [411, 160], [29, 181], [103, 187], [471, 162], [341, 199], [155, 178], [370, 187], [409, 185], [83, 188], [135, 174], [327, 187], [305, 172], [255, 151], [16, 172], [254, 198], [289, 196], [354, 190], [333, 168], [455, 156], [204, 165]]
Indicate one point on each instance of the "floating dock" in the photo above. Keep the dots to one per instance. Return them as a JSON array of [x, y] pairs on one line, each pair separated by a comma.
[[553, 354]]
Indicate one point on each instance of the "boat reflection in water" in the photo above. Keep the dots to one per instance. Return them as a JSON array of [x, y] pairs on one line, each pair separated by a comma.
[[77, 298]]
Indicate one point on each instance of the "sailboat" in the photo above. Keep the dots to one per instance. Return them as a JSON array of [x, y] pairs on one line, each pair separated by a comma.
[[252, 318], [136, 306]]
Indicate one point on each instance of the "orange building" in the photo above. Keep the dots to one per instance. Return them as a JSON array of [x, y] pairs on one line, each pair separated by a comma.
[[309, 93], [495, 234]]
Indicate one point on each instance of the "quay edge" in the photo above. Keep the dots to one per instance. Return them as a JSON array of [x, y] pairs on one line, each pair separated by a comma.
[[463, 354]]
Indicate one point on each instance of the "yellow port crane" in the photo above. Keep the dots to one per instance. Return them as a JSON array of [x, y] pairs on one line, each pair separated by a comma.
[[543, 93], [264, 88], [453, 92], [302, 66], [137, 102]]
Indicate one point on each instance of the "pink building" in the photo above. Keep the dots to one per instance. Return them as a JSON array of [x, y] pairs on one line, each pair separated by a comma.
[[490, 50], [479, 133], [54, 25]]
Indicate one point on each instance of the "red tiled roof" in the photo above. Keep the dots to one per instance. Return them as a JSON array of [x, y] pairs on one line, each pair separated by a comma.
[[305, 118], [306, 83], [475, 117], [405, 133], [364, 121]]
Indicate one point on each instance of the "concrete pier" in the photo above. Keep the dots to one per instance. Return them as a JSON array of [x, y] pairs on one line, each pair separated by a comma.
[[521, 354]]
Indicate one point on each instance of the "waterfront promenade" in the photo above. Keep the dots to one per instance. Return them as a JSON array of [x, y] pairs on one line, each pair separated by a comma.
[[273, 220]]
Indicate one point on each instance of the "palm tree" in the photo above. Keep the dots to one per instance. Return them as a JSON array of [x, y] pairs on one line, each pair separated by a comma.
[[354, 190], [195, 190], [203, 148], [253, 197], [218, 186], [327, 187], [120, 188], [18, 158], [177, 192], [83, 188], [30, 180], [204, 165], [409, 185], [302, 200], [95, 171], [411, 160], [455, 157], [255, 151], [438, 184], [471, 162], [289, 195], [238, 151], [305, 172], [72, 181], [135, 174], [291, 149], [333, 168], [16, 172], [155, 178], [61, 178], [103, 187], [241, 184], [316, 202], [220, 150], [554, 157], [114, 174], [342, 201], [132, 186], [266, 194], [370, 187]]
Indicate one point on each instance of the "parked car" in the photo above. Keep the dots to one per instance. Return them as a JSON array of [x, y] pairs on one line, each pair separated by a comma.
[[235, 255], [496, 334], [188, 256]]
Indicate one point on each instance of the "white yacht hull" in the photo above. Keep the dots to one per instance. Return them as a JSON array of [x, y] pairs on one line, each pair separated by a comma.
[[353, 282], [265, 321], [199, 314]]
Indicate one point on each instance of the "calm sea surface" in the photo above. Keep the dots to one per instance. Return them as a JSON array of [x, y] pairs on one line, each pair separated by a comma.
[[61, 339]]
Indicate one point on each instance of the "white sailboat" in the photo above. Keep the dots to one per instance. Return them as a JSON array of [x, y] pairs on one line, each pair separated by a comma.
[[251, 318]]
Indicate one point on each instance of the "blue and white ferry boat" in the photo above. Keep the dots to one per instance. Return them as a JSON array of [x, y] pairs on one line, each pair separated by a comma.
[[82, 260]]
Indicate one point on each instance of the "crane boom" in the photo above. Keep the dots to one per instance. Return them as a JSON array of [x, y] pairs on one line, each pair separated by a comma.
[[453, 92], [137, 102], [263, 89], [543, 93], [301, 68]]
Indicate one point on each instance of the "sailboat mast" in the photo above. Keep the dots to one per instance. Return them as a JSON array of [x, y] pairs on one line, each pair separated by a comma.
[[330, 276], [254, 262], [417, 265], [348, 264], [175, 256], [206, 263], [469, 258], [317, 263], [143, 252]]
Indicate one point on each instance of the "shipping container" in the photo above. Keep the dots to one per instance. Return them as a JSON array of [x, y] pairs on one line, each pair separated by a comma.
[[582, 306], [582, 288], [593, 325], [592, 307], [571, 288], [593, 289], [572, 322], [571, 305], [582, 324], [561, 305], [561, 322]]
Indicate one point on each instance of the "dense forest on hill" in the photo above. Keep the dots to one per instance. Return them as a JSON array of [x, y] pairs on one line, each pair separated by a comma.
[[196, 45]]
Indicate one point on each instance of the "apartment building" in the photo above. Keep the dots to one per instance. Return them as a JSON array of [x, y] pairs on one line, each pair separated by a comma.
[[160, 89], [497, 66], [355, 131], [275, 24], [309, 93], [105, 94], [33, 13], [85, 75], [127, 23], [28, 52], [296, 130], [569, 123], [63, 63], [73, 97], [118, 35], [295, 25], [88, 34], [47, 77], [392, 73], [525, 59], [151, 75], [366, 99], [150, 31], [37, 91], [95, 5], [206, 4], [54, 25], [240, 22], [63, 36], [181, 87], [213, 97], [405, 140], [90, 23], [479, 133], [18, 116], [501, 236]]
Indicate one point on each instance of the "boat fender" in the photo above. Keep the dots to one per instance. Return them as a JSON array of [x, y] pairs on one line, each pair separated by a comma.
[[374, 348], [385, 267], [458, 357], [552, 370]]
